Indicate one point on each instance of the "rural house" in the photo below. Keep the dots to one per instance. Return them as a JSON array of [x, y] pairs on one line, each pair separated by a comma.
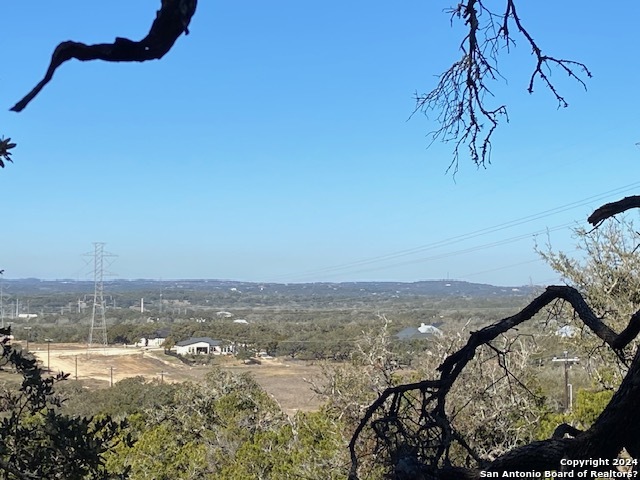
[[203, 345], [423, 331], [155, 339]]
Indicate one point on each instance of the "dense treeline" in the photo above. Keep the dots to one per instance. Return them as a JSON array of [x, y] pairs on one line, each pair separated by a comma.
[[313, 334]]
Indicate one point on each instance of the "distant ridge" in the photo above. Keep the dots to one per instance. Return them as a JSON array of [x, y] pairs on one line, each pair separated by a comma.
[[424, 288]]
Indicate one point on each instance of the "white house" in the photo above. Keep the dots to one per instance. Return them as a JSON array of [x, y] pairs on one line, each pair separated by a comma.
[[423, 331], [150, 342], [155, 339], [203, 345]]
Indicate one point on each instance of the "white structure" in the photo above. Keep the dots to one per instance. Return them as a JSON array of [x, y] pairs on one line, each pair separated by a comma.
[[150, 342], [203, 345], [567, 331], [153, 340], [423, 328], [423, 331]]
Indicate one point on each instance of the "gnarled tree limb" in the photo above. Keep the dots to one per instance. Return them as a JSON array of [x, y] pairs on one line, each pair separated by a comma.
[[171, 21], [615, 428], [608, 210]]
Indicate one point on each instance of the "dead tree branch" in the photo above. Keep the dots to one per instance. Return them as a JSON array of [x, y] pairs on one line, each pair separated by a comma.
[[460, 97], [171, 21]]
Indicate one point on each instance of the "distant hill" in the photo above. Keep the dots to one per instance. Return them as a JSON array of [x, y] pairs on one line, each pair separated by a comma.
[[427, 288]]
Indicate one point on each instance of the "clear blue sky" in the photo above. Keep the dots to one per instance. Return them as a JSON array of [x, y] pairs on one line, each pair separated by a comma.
[[272, 144]]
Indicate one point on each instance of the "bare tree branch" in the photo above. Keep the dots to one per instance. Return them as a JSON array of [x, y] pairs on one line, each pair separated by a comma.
[[460, 97], [171, 21], [568, 66]]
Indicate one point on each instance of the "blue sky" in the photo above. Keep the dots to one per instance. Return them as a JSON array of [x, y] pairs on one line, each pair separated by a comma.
[[273, 144]]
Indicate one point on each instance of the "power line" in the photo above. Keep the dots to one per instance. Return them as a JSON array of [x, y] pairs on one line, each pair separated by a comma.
[[335, 269], [504, 267], [465, 250]]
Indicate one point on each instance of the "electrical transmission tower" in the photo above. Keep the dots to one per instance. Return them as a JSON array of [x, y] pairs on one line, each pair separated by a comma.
[[98, 332]]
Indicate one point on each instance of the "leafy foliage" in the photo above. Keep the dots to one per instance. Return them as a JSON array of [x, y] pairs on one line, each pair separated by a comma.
[[129, 396], [589, 404], [36, 440], [228, 427], [5, 154], [607, 270]]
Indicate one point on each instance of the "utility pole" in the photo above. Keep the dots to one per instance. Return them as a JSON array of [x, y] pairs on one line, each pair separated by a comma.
[[567, 363], [28, 329], [48, 340]]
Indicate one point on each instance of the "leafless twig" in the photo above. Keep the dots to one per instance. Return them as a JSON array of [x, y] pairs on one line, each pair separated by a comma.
[[460, 98]]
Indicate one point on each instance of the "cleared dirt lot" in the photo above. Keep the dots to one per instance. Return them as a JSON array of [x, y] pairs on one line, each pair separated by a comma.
[[285, 381]]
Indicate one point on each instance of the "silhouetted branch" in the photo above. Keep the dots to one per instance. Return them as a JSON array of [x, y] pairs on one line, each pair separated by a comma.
[[568, 66], [171, 21], [565, 429], [464, 115], [608, 210]]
